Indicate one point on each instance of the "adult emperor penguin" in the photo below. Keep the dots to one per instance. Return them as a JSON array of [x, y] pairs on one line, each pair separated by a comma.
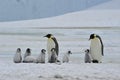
[[41, 57], [17, 57], [87, 58], [96, 48], [51, 43]]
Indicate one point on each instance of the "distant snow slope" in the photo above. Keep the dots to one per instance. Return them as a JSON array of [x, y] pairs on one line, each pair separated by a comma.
[[113, 4], [104, 15], [88, 18]]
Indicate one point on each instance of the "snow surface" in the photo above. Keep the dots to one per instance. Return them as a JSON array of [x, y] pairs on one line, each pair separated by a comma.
[[70, 71]]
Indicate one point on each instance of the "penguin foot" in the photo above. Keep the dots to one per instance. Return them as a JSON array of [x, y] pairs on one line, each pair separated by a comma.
[[95, 61], [87, 62]]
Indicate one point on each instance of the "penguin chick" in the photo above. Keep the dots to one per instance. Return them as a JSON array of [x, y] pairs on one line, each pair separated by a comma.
[[17, 57], [87, 58], [27, 53], [29, 59], [53, 58], [66, 57], [41, 57]]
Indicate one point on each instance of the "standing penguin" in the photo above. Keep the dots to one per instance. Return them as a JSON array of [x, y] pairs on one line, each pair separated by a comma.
[[87, 56], [41, 57], [51, 43], [66, 57], [96, 48], [17, 58], [53, 56]]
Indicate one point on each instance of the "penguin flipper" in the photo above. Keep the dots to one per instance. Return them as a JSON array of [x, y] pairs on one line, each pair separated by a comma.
[[56, 46], [102, 46]]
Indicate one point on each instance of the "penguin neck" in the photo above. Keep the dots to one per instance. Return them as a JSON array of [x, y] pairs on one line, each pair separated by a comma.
[[95, 41], [18, 53], [50, 41]]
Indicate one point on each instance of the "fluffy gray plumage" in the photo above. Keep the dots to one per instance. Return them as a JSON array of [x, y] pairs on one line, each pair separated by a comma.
[[66, 57], [41, 57], [17, 57], [87, 56]]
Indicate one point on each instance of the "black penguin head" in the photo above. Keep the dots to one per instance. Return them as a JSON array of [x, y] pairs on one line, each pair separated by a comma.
[[48, 35], [18, 50], [43, 50], [69, 52], [28, 50], [92, 36], [87, 50], [53, 50]]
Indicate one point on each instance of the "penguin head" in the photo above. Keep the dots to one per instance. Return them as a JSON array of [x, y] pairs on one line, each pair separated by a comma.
[[48, 35], [28, 50], [92, 36], [53, 50], [87, 51], [69, 52], [18, 50], [43, 50]]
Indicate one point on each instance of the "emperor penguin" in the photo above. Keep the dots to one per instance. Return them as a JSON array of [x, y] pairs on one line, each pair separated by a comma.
[[87, 58], [51, 43], [28, 58], [17, 57], [53, 56], [27, 53], [41, 57], [66, 57], [96, 48]]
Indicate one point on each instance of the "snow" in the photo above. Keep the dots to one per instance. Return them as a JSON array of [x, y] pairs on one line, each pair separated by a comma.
[[88, 18], [75, 40], [112, 4], [65, 71]]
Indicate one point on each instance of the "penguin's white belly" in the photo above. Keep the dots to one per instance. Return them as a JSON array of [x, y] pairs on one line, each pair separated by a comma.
[[95, 50], [50, 45]]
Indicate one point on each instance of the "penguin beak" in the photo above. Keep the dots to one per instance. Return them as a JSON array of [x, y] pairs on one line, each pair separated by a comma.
[[45, 36]]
